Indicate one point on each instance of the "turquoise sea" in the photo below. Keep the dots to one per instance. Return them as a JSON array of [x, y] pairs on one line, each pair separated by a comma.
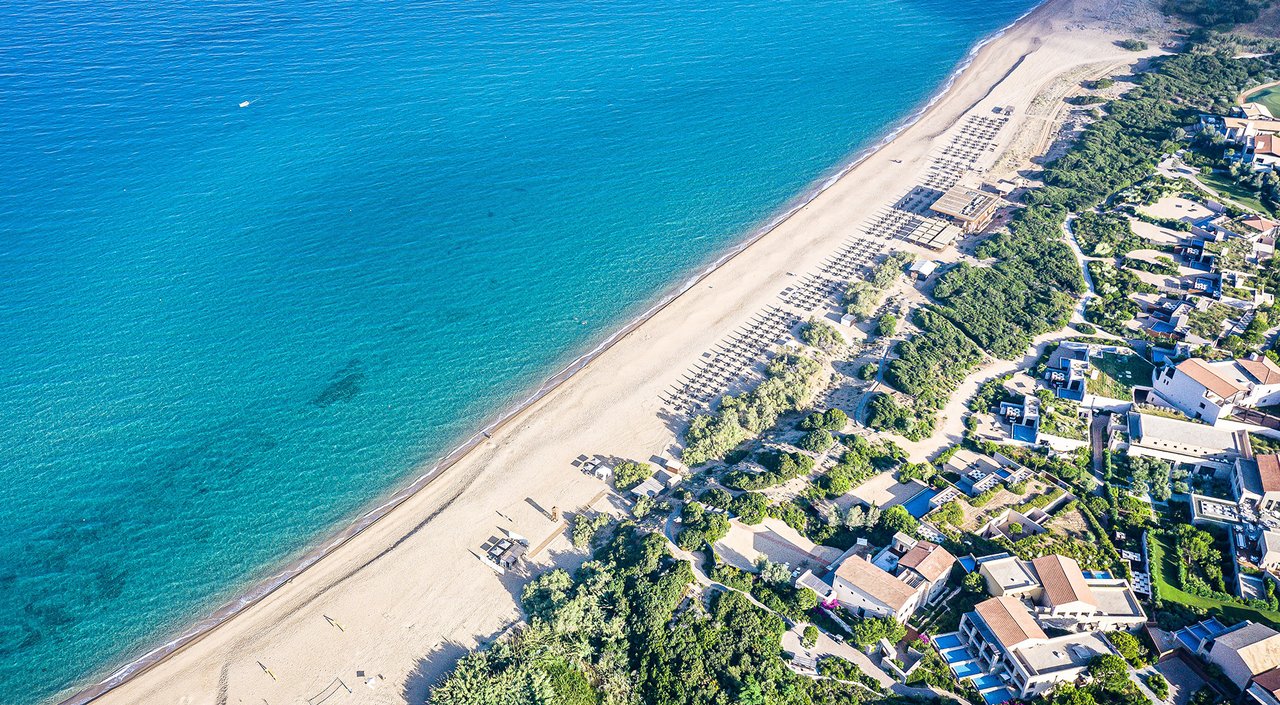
[[227, 330]]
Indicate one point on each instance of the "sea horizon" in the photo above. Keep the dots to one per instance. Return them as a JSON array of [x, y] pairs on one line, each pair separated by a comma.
[[348, 380]]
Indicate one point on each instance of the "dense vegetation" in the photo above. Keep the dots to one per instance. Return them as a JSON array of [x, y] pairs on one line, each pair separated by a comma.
[[624, 629], [1221, 15], [788, 385]]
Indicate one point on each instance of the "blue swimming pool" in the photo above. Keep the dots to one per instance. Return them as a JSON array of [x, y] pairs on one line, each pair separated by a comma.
[[957, 655], [947, 641], [1097, 574], [995, 697], [987, 681], [966, 669], [918, 505], [967, 563]]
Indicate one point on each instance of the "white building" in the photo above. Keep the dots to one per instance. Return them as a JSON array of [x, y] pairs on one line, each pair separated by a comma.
[[1256, 483], [857, 584], [1210, 391], [1185, 441], [1059, 594], [1007, 642]]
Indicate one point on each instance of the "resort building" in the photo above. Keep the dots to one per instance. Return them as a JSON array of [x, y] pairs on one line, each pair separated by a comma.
[[1248, 654], [1244, 652], [908, 574], [1210, 391], [1005, 643], [1060, 595], [970, 209], [1186, 442], [1068, 370], [1256, 483]]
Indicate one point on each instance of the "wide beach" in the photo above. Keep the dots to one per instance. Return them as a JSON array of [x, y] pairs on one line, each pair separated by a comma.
[[408, 594]]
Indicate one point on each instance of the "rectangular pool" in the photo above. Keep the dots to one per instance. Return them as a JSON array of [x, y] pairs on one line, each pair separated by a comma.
[[918, 505], [947, 641], [966, 669], [957, 655], [987, 681], [995, 697]]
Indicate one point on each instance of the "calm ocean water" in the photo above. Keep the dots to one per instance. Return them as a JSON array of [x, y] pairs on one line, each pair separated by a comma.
[[227, 330]]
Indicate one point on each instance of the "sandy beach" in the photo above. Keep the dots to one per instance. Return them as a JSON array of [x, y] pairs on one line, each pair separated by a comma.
[[387, 612]]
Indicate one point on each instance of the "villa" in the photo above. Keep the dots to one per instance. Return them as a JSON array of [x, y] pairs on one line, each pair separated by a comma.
[[1210, 391], [1007, 654], [1062, 596], [904, 576], [1067, 372], [1002, 645]]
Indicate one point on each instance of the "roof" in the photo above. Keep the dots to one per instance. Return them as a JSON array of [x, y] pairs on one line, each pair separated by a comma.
[[1009, 621], [1270, 680], [1149, 427], [865, 576], [1257, 645], [1254, 221], [1264, 370], [1208, 377], [1270, 542], [964, 203], [1062, 581], [930, 560], [1269, 472], [1266, 144]]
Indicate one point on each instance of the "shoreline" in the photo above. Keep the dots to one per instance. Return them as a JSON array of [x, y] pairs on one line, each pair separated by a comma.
[[326, 546], [316, 552]]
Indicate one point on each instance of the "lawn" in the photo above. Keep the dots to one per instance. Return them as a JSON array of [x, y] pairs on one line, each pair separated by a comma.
[[1162, 566], [1268, 97], [1222, 183], [1118, 375]]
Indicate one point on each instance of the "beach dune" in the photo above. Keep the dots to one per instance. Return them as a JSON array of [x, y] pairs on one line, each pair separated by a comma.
[[388, 611]]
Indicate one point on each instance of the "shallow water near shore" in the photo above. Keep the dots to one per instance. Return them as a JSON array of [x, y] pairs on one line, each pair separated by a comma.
[[228, 329]]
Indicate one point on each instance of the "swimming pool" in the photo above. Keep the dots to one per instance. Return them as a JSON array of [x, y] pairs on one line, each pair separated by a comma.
[[987, 681], [966, 669], [957, 655], [947, 641], [995, 697], [918, 505], [1097, 574]]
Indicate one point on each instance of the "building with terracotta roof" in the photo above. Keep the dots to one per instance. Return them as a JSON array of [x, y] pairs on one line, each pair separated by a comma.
[[1247, 651], [1004, 640], [871, 591], [1210, 391], [1266, 687], [1256, 483], [1060, 595], [904, 576]]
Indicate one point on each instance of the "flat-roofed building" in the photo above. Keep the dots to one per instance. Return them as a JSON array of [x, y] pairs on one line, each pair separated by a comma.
[[1185, 442], [969, 208], [1007, 575]]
